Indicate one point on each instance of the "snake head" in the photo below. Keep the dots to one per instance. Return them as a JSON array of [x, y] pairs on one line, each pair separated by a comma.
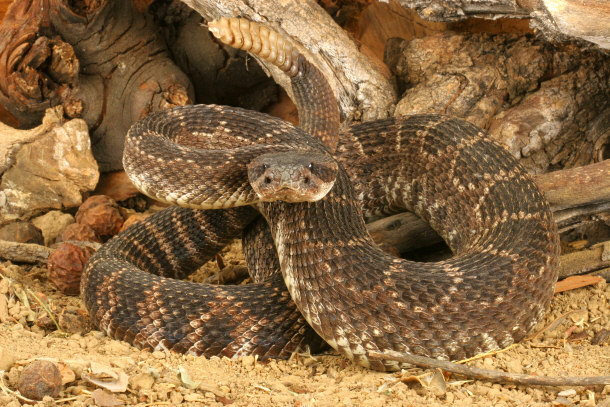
[[292, 176]]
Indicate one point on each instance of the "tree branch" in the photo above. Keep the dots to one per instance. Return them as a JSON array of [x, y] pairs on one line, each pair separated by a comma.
[[491, 375], [359, 86]]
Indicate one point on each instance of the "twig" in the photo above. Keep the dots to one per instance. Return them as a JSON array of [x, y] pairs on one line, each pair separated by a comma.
[[48, 311], [10, 392], [24, 252], [491, 375]]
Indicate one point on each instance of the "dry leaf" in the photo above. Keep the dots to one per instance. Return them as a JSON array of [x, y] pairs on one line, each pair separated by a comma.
[[104, 399], [434, 381], [104, 376], [67, 375], [186, 380]]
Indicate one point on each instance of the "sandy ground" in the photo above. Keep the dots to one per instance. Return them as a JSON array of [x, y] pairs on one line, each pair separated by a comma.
[[159, 378]]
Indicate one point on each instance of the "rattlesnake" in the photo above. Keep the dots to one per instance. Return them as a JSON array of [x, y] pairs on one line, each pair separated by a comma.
[[490, 294]]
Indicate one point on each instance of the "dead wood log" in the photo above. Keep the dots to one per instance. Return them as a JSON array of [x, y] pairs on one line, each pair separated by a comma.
[[102, 61], [24, 252], [557, 19], [35, 253], [572, 193], [548, 105], [595, 258], [361, 89]]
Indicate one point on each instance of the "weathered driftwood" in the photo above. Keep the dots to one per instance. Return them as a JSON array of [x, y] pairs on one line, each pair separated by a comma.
[[24, 252], [102, 61], [595, 258], [35, 253], [495, 376], [576, 281], [359, 85], [548, 105], [572, 193], [557, 19], [577, 192]]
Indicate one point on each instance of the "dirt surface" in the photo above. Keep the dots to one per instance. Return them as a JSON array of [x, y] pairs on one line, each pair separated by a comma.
[[158, 378]]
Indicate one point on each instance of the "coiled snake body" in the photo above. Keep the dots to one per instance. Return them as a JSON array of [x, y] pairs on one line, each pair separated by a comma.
[[490, 294]]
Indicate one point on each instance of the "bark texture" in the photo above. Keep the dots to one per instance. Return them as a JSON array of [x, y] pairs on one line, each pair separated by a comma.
[[557, 19], [547, 104], [361, 89], [102, 61]]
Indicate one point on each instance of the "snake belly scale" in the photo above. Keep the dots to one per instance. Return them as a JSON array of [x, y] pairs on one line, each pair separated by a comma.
[[490, 294]]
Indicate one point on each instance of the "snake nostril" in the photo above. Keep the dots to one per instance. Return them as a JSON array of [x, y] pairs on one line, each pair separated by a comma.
[[267, 180]]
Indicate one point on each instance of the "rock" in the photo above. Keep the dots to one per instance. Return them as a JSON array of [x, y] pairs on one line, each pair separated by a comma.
[[142, 381], [102, 214], [7, 360], [133, 219], [50, 172], [21, 232], [74, 321], [116, 185], [78, 232], [51, 223], [66, 265], [39, 379]]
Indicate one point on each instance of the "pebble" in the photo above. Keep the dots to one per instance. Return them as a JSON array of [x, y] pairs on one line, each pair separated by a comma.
[[51, 223], [514, 366], [38, 379], [133, 219], [66, 265], [176, 398], [158, 354], [142, 381], [561, 402], [117, 348], [6, 359], [194, 397], [567, 393], [21, 232], [101, 214], [78, 232]]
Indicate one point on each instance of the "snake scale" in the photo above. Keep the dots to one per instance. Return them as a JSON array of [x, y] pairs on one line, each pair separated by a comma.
[[490, 294]]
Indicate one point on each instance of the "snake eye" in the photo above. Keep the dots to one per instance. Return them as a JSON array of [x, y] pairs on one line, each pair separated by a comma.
[[265, 166], [310, 166]]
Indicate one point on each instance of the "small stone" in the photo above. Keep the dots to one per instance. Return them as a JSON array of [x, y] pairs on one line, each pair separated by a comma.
[[48, 401], [78, 232], [51, 223], [142, 381], [567, 393], [39, 379], [6, 360], [21, 232], [66, 265], [75, 322], [133, 219], [49, 172], [194, 397], [176, 398], [101, 213], [45, 322], [562, 402], [116, 185], [514, 366]]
